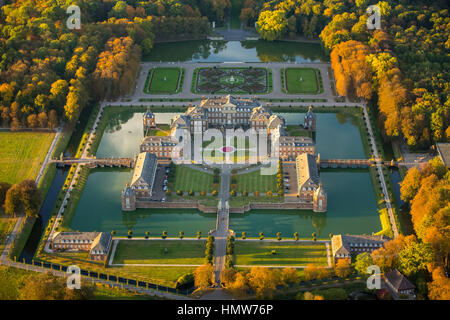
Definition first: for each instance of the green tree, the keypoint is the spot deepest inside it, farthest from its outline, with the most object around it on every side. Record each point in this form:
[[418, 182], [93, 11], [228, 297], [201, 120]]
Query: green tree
[[363, 261], [271, 24], [414, 258]]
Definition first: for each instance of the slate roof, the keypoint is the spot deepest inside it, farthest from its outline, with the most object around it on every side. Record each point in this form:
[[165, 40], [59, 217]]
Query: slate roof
[[145, 169], [398, 280], [101, 243], [310, 114], [307, 172], [444, 152], [75, 237], [343, 244], [149, 114]]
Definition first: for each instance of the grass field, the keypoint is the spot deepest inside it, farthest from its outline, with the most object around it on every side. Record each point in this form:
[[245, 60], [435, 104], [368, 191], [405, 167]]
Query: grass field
[[308, 84], [152, 252], [256, 181], [15, 279], [190, 179], [159, 85], [287, 253], [22, 154], [297, 131]]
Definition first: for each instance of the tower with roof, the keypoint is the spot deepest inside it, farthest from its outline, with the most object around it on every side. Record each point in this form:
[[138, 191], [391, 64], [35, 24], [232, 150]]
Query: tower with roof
[[149, 120], [310, 120]]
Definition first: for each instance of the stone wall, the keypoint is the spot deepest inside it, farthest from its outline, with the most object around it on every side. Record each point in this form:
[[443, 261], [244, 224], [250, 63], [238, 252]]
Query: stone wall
[[205, 209], [275, 206], [175, 205]]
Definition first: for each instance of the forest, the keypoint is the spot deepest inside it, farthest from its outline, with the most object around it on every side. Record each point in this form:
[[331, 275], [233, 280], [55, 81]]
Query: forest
[[49, 73], [401, 68]]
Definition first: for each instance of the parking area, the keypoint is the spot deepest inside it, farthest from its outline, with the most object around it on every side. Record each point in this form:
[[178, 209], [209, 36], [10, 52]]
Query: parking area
[[290, 178], [158, 192]]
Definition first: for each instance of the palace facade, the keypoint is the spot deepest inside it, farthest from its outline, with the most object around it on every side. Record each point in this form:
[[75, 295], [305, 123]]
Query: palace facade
[[229, 112]]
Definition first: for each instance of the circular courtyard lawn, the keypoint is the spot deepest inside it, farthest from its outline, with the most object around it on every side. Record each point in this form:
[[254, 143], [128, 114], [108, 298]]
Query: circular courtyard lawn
[[163, 80], [301, 80]]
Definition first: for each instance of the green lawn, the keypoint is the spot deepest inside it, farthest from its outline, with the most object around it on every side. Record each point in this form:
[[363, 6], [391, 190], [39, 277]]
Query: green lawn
[[256, 181], [152, 252], [22, 154], [160, 130], [287, 253], [297, 131], [190, 179], [160, 85], [308, 84]]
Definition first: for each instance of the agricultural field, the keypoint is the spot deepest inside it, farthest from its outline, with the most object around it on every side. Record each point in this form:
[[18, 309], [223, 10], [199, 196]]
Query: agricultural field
[[231, 80], [163, 80], [160, 252], [279, 253], [22, 154], [301, 80]]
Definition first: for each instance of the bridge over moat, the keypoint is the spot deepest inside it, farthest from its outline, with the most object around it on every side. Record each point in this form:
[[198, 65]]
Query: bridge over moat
[[95, 162], [356, 163]]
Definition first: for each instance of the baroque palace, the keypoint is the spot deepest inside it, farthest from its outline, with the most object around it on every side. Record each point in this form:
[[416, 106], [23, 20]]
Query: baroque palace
[[228, 113]]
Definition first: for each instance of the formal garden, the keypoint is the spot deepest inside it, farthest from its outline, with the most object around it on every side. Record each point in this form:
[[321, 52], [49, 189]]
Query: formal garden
[[164, 81], [301, 80], [232, 80]]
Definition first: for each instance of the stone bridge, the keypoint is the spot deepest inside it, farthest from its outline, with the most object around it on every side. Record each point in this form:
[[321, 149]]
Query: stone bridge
[[95, 162]]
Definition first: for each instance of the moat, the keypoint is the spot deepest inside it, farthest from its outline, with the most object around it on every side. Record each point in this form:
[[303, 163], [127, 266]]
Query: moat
[[352, 206]]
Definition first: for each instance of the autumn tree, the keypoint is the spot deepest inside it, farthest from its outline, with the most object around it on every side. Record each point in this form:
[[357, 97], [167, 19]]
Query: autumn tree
[[204, 276], [311, 272], [342, 268], [439, 287], [227, 277], [4, 187], [289, 276], [263, 281]]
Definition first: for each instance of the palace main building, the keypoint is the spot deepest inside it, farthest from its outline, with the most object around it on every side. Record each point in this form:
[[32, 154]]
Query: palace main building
[[228, 113]]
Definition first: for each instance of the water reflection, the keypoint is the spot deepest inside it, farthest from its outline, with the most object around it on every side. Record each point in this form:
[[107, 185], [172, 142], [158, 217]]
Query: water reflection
[[237, 51]]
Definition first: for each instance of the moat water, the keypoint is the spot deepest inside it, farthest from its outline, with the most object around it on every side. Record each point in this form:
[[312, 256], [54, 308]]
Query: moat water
[[351, 200], [237, 51]]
